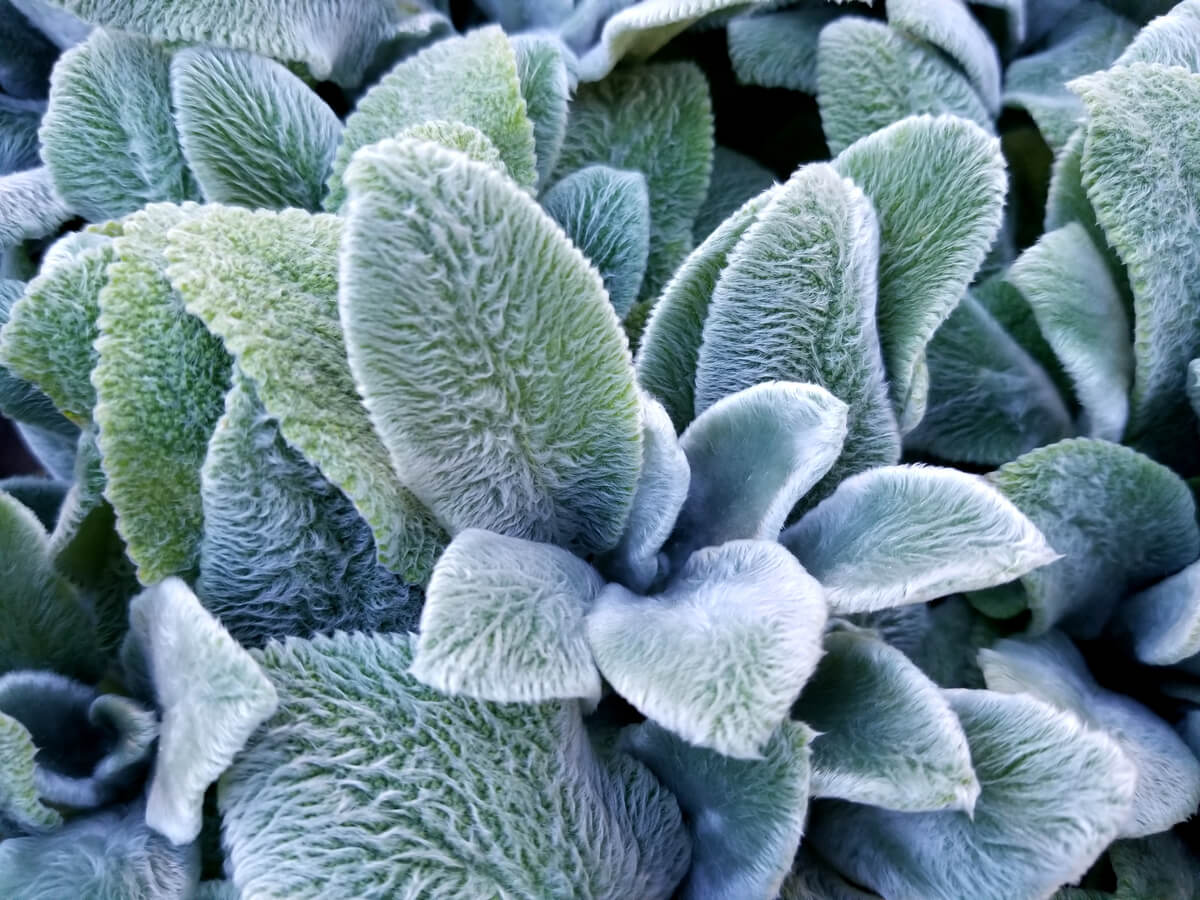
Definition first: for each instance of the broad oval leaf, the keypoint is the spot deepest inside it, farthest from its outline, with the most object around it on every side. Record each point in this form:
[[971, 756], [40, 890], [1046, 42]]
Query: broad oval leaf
[[949, 26], [1163, 622], [1170, 40], [779, 49]]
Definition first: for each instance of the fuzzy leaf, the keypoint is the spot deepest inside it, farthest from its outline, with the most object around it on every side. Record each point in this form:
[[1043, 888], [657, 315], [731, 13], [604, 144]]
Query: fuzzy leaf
[[886, 736], [720, 655], [779, 49], [504, 621], [19, 120], [871, 75], [465, 798], [471, 142], [812, 878], [523, 381], [949, 26], [1119, 520], [1160, 866], [471, 79], [546, 86], [1163, 622], [796, 302], [52, 446], [1167, 789], [1066, 281], [160, 381], [41, 496], [251, 131], [606, 214], [1170, 40], [38, 421], [1013, 313], [212, 695], [656, 120], [62, 28], [30, 207], [746, 817], [21, 810], [267, 284], [735, 179], [666, 362], [908, 534], [26, 56], [752, 456]]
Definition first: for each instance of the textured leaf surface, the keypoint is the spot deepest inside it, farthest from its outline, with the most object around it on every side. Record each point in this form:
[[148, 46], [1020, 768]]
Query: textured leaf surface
[[160, 382], [908, 534], [464, 798], [108, 138], [1053, 796], [1167, 789], [949, 26], [64, 29], [471, 79], [779, 49], [796, 302], [41, 425], [1170, 40], [212, 695], [469, 141], [30, 207], [656, 120], [26, 56], [19, 120], [720, 655], [937, 186], [1119, 520], [606, 214], [1012, 311], [507, 403], [735, 179], [251, 131], [504, 621], [267, 284], [745, 816], [871, 75], [546, 86], [1159, 866], [41, 496], [1163, 622], [886, 736], [20, 808]]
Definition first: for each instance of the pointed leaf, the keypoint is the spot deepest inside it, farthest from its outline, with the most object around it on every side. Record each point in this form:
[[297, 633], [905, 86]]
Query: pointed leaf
[[523, 381], [949, 26], [30, 207], [21, 810], [1170, 40], [465, 799], [546, 87], [745, 816], [735, 179], [779, 49], [1118, 519], [62, 28], [721, 654], [908, 534], [212, 695]]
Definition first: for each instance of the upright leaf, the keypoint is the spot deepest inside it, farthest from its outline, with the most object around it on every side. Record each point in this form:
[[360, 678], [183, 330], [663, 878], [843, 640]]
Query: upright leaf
[[735, 179], [1170, 40], [949, 26], [779, 49], [546, 86], [40, 424]]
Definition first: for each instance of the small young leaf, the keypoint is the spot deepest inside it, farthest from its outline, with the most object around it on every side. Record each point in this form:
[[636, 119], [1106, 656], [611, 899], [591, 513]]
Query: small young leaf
[[546, 86], [908, 534], [471, 79], [1164, 621], [251, 131], [21, 810], [606, 213], [1118, 519], [735, 179], [212, 695], [720, 655], [30, 207], [506, 403], [1170, 40], [779, 49], [949, 26]]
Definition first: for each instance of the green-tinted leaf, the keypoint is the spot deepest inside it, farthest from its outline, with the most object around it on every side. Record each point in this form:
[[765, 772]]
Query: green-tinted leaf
[[465, 798], [988, 401], [745, 816], [1167, 789], [506, 403], [1119, 520], [42, 427], [666, 363], [160, 382], [656, 120], [885, 734], [871, 75], [546, 86], [720, 655], [779, 49], [941, 638], [471, 142], [521, 15], [212, 695], [1170, 40], [41, 496], [471, 79], [53, 447], [1164, 621], [949, 26], [812, 878], [1138, 166], [1054, 794], [908, 534], [1160, 866], [19, 120], [20, 808], [267, 284], [30, 207], [252, 132], [796, 302], [753, 455], [606, 213], [735, 179], [108, 138], [937, 186]]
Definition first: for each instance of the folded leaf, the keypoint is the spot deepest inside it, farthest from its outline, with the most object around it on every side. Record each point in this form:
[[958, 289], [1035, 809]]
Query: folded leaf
[[1170, 40], [21, 810], [908, 534], [735, 179], [160, 381], [941, 638], [720, 655], [1053, 796], [745, 816], [606, 214], [251, 131], [1167, 789], [30, 207], [546, 86], [471, 79], [949, 26], [1163, 622], [267, 284], [871, 75], [886, 736], [1118, 519], [212, 696], [523, 381], [752, 456], [38, 421], [779, 49], [469, 141], [52, 445], [937, 186], [465, 798], [19, 120], [656, 120], [41, 496]]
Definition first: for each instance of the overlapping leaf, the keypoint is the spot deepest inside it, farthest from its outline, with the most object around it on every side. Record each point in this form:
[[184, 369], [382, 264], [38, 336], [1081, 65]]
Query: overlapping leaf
[[949, 26], [779, 49], [735, 179]]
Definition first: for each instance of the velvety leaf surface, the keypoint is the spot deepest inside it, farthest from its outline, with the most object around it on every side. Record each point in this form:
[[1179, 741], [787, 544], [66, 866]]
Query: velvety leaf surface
[[21, 810], [471, 142], [546, 86], [19, 121], [41, 425], [735, 179], [30, 206], [1163, 622], [779, 49], [1170, 40], [41, 496], [26, 56], [949, 26], [1159, 866]]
